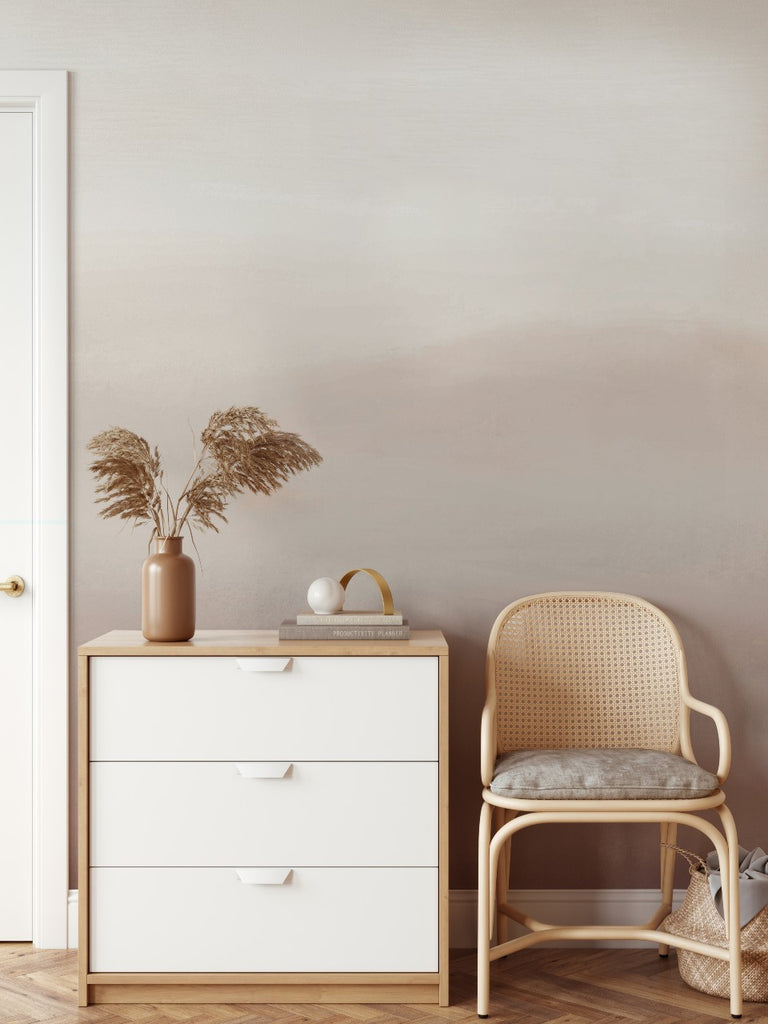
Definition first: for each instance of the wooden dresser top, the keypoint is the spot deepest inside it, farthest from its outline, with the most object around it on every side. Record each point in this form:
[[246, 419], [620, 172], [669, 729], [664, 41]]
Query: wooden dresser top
[[249, 643]]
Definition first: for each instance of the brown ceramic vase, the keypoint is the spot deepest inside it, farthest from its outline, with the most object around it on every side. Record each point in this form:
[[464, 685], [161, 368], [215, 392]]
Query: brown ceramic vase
[[168, 592]]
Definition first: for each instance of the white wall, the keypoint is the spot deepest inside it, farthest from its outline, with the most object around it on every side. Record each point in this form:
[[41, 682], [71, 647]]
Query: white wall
[[503, 263]]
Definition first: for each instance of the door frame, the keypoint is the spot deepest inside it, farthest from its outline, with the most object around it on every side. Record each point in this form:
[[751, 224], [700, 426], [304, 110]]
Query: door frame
[[45, 95]]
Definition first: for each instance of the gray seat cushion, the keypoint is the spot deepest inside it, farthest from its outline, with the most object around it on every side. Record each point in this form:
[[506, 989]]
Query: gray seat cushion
[[600, 775]]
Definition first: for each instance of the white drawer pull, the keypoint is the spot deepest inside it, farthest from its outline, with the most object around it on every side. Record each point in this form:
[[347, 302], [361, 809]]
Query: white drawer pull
[[263, 769], [263, 876], [262, 664]]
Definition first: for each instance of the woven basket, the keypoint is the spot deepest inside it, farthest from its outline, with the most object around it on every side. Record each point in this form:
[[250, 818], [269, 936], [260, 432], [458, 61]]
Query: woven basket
[[698, 919]]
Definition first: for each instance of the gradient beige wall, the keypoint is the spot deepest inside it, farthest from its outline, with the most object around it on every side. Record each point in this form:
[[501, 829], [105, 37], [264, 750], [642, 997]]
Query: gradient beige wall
[[503, 263]]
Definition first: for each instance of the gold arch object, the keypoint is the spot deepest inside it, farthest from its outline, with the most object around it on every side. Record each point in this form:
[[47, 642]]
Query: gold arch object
[[387, 604]]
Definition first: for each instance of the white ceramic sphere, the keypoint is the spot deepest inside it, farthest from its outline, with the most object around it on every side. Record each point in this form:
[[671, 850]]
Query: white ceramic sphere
[[326, 596]]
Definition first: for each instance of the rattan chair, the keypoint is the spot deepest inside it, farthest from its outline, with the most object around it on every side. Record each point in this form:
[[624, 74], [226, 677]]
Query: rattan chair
[[587, 719]]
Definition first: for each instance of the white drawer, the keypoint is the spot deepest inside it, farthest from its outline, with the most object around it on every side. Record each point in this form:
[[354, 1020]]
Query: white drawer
[[223, 709], [216, 813], [319, 919]]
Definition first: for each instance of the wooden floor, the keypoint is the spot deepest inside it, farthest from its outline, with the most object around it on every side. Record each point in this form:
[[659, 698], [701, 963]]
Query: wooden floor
[[554, 986]]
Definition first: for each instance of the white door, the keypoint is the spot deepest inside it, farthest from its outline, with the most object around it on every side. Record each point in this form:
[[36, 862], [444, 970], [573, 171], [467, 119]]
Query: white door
[[16, 344]]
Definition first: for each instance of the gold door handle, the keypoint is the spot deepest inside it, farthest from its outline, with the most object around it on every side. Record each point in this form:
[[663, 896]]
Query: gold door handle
[[13, 586]]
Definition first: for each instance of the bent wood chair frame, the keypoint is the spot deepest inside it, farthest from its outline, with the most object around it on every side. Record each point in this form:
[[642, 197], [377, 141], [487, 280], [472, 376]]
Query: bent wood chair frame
[[502, 817]]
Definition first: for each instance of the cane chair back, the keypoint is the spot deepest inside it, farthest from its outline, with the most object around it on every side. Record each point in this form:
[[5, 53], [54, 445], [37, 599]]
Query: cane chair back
[[589, 671]]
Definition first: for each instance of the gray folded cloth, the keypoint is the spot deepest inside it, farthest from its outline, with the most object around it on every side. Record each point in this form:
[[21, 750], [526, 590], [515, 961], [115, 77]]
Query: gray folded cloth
[[753, 882]]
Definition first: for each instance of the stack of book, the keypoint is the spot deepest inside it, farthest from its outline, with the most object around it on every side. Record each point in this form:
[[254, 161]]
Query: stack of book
[[346, 626]]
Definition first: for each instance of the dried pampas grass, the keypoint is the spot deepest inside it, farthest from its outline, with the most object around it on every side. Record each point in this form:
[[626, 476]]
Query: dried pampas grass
[[242, 450]]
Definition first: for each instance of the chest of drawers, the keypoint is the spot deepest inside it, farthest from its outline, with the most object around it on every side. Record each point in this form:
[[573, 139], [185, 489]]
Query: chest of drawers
[[263, 821]]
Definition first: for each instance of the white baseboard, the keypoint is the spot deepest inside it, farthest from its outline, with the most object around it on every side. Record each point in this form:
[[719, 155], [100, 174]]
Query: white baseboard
[[563, 906]]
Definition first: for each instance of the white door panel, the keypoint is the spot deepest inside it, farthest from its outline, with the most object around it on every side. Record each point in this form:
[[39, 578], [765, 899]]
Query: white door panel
[[16, 324]]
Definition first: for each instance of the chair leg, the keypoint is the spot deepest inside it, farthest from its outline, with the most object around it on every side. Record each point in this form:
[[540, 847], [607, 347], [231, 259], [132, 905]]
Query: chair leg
[[502, 879], [733, 923], [484, 911], [668, 837]]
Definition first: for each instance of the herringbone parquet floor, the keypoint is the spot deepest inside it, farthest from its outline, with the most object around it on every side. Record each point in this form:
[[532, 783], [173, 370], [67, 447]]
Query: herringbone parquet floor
[[544, 986]]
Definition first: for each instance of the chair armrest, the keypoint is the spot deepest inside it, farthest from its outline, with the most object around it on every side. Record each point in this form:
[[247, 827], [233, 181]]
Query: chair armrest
[[723, 735], [488, 739]]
